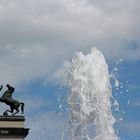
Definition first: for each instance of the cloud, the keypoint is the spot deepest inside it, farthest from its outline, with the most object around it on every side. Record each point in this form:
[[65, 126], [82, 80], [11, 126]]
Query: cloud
[[37, 37], [131, 128], [133, 87], [46, 126], [135, 102]]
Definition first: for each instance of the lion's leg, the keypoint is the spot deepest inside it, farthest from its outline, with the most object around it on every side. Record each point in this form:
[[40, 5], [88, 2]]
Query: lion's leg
[[1, 99], [17, 110], [15, 113], [5, 113]]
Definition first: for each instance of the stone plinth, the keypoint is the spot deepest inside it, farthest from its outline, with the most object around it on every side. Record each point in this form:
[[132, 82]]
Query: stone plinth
[[12, 128]]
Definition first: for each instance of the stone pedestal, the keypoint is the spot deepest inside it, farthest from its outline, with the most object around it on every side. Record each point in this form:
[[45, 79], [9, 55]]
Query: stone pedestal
[[12, 128]]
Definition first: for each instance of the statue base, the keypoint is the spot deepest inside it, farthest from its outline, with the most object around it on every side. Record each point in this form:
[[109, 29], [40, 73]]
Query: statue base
[[12, 128]]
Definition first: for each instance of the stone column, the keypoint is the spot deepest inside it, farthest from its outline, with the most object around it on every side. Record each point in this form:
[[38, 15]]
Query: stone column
[[12, 128]]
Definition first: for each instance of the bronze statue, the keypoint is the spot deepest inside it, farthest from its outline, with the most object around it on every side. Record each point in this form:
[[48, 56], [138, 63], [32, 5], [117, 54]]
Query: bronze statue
[[7, 99]]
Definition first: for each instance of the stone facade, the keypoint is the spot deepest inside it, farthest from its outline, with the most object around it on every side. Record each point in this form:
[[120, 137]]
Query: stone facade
[[12, 128]]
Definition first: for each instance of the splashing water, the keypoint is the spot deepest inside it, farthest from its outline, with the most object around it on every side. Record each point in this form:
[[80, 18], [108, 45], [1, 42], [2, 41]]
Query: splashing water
[[90, 98]]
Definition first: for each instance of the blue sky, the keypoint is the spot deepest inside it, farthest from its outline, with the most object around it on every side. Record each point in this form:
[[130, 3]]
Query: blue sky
[[50, 93], [39, 38], [129, 101], [128, 98]]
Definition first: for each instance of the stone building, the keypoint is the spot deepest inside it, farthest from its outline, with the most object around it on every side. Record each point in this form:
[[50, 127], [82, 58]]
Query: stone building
[[12, 128]]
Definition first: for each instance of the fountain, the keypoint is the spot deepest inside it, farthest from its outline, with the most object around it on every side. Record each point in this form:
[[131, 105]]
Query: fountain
[[90, 98]]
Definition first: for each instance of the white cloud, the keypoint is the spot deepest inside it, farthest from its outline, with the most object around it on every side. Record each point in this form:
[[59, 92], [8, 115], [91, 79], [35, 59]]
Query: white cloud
[[132, 128], [47, 126], [38, 36], [135, 102]]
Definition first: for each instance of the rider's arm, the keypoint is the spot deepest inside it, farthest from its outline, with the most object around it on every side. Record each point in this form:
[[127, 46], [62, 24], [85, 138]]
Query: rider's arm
[[1, 87], [10, 88]]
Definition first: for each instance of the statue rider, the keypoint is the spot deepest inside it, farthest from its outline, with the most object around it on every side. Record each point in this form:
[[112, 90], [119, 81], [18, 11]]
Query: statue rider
[[7, 99], [7, 96]]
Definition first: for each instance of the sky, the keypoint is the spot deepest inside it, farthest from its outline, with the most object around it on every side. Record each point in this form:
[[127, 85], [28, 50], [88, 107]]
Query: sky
[[39, 38]]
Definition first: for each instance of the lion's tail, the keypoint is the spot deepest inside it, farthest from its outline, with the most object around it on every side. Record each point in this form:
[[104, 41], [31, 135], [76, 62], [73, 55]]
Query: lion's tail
[[22, 107]]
